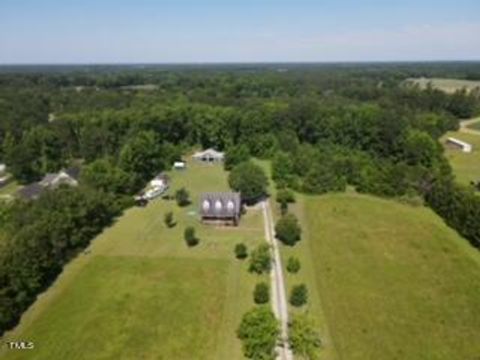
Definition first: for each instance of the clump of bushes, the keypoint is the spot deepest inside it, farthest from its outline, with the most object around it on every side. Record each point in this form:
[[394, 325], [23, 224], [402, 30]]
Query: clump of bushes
[[303, 337], [190, 236], [260, 259], [261, 293], [299, 295], [293, 265], [287, 230], [182, 197], [259, 331], [168, 219], [241, 251], [284, 198]]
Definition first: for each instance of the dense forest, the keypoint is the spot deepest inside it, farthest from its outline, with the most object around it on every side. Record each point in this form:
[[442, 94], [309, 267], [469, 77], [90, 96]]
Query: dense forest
[[324, 128]]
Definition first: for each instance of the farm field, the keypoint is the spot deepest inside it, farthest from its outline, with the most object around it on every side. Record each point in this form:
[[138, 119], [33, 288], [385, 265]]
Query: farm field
[[447, 85], [138, 292], [466, 166], [393, 280]]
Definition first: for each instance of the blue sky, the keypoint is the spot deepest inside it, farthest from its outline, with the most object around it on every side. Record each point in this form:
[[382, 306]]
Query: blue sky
[[166, 31]]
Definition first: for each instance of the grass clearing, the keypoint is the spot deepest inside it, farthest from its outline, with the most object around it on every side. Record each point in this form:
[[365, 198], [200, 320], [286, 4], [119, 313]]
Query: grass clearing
[[141, 293], [466, 166], [10, 189], [395, 282], [446, 85]]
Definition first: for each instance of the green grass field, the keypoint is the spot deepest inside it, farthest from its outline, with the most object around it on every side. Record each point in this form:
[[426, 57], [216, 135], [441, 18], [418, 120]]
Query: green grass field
[[474, 126], [466, 166], [9, 189], [447, 85], [140, 293], [388, 281]]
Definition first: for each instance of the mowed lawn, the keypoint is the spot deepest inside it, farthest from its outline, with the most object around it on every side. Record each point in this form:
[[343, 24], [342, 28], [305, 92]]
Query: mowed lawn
[[141, 293], [394, 281], [466, 166]]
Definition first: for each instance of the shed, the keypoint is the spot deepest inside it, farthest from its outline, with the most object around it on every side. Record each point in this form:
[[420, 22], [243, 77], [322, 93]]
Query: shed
[[209, 156], [220, 207]]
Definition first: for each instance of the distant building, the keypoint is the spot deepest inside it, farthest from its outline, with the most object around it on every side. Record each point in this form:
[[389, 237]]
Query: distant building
[[50, 181], [209, 156], [220, 208], [459, 144], [54, 180]]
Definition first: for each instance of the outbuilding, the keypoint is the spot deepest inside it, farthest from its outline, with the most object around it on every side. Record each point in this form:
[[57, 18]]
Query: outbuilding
[[209, 156], [459, 144], [223, 208]]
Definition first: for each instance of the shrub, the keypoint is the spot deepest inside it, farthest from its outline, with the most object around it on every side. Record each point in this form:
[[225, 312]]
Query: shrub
[[241, 251], [182, 197], [190, 237], [303, 337], [293, 265], [261, 293], [299, 295], [285, 197], [168, 219], [287, 230], [259, 331], [260, 259]]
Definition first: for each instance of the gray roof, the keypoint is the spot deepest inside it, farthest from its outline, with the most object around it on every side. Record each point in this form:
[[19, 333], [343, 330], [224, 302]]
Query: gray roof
[[49, 178], [31, 191], [209, 153], [73, 172], [220, 204]]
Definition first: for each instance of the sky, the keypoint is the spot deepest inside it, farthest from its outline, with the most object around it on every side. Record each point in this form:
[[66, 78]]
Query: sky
[[214, 31]]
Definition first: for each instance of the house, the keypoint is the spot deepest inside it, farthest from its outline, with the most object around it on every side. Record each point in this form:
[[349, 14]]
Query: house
[[209, 156], [220, 208], [69, 177], [459, 144], [50, 181], [31, 192], [179, 165]]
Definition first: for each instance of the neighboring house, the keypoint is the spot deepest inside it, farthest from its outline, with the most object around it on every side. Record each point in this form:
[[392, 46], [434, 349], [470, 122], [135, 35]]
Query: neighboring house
[[209, 156], [459, 144], [50, 181], [179, 165], [54, 180], [31, 192], [220, 208]]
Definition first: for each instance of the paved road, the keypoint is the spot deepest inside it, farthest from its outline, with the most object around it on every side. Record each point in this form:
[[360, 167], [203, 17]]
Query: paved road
[[464, 126], [279, 297]]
